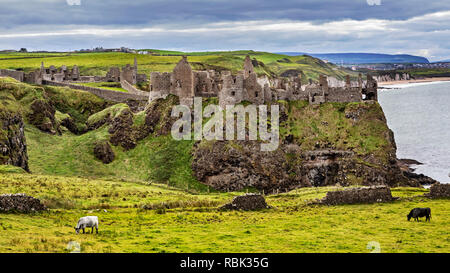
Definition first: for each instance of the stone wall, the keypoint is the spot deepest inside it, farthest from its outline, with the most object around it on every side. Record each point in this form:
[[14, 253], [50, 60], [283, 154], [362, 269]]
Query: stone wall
[[129, 74], [366, 195], [203, 84], [20, 203], [340, 94], [247, 202], [439, 190], [18, 75], [103, 93], [34, 77], [132, 90], [247, 86], [248, 67], [232, 89], [113, 75], [253, 92], [183, 79]]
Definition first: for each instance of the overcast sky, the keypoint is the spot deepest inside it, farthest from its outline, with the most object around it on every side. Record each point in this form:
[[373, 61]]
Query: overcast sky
[[316, 26]]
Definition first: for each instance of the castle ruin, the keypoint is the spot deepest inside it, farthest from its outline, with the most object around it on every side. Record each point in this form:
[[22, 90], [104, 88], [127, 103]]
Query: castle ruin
[[64, 74], [228, 88], [247, 86]]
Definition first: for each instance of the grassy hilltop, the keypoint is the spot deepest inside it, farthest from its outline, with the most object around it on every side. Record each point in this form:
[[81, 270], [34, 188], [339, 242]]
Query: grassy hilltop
[[99, 63]]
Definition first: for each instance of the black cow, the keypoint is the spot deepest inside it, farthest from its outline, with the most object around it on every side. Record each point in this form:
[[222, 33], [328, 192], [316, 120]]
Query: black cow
[[418, 213]]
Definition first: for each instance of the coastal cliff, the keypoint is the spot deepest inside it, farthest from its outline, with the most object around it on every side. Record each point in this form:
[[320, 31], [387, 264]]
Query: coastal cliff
[[81, 135], [331, 144]]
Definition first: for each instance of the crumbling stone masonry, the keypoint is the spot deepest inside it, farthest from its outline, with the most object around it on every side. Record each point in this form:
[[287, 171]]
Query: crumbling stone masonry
[[116, 96], [20, 203], [18, 75], [247, 86], [230, 89], [366, 195], [247, 202], [439, 190], [64, 74]]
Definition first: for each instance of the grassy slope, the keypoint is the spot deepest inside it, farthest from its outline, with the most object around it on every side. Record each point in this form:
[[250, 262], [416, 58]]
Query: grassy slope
[[192, 224], [99, 63], [18, 97], [72, 155], [327, 124]]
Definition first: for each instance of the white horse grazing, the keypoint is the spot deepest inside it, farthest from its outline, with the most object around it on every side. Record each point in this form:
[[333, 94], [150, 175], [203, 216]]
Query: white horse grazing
[[87, 222]]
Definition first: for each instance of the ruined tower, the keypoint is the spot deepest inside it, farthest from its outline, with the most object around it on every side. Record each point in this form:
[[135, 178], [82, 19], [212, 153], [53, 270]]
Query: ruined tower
[[370, 92], [182, 81], [232, 89], [248, 67], [347, 81], [129, 74]]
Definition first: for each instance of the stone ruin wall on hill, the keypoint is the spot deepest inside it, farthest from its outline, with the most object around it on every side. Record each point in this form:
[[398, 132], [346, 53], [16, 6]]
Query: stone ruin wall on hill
[[64, 74], [364, 195], [66, 77], [439, 190], [247, 86], [112, 95], [187, 84]]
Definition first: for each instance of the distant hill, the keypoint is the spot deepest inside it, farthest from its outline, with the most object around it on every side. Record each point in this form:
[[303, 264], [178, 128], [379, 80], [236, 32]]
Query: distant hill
[[363, 58]]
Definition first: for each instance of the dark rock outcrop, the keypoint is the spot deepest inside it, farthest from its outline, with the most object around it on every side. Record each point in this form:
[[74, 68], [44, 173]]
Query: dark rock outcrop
[[230, 166], [121, 130], [419, 178], [136, 105], [247, 202], [104, 152], [71, 126], [354, 147], [20, 203], [43, 117], [125, 133], [291, 73], [408, 172], [358, 196], [13, 146]]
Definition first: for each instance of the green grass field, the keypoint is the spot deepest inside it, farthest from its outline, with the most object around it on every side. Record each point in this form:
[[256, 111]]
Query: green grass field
[[99, 63], [176, 221]]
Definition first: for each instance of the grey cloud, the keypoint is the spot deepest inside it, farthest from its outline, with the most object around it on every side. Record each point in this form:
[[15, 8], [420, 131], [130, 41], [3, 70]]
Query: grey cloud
[[308, 26], [118, 12]]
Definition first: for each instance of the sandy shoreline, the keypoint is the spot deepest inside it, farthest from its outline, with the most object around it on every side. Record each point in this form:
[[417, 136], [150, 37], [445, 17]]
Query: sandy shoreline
[[435, 79]]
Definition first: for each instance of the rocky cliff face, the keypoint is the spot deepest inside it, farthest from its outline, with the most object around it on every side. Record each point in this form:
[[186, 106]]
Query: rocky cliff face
[[13, 146], [239, 165], [392, 76], [345, 144]]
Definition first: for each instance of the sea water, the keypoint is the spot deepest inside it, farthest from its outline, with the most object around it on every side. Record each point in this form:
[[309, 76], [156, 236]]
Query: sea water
[[419, 115]]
